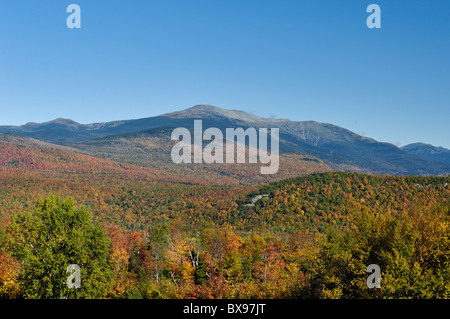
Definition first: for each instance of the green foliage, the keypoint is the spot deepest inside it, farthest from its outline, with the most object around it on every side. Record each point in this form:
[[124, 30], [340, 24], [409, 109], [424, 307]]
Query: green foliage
[[201, 272], [412, 250], [159, 236], [3, 240], [320, 201], [51, 239]]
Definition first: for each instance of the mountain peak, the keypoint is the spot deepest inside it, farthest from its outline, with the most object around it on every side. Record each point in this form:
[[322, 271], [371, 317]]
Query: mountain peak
[[61, 120], [204, 107], [207, 110], [421, 145]]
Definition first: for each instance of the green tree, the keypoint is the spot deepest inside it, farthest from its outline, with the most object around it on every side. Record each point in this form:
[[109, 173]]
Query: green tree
[[54, 237], [201, 271], [412, 250], [158, 240]]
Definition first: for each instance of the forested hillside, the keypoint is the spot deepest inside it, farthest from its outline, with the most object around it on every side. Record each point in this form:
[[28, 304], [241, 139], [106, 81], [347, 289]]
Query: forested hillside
[[140, 156], [152, 149], [311, 236], [320, 200]]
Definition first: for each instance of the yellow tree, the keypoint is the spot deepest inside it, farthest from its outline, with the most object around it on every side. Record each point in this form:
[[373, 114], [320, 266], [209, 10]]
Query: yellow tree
[[9, 271]]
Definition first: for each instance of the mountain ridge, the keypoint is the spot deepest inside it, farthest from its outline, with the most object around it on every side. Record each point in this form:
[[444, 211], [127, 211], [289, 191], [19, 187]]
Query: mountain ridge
[[338, 147], [428, 151]]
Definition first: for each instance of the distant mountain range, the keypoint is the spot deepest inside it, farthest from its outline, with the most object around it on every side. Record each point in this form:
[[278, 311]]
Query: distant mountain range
[[429, 152], [147, 141]]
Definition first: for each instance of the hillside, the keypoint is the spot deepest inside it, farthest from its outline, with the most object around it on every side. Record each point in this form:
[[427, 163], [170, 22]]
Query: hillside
[[124, 194], [318, 201], [22, 155], [152, 149], [140, 190]]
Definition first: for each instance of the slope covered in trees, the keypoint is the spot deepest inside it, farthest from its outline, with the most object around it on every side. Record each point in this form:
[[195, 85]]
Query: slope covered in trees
[[152, 149], [134, 157], [319, 200], [215, 243]]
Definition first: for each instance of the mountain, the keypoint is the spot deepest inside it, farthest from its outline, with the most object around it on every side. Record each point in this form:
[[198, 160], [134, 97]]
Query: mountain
[[429, 152], [68, 131], [337, 147]]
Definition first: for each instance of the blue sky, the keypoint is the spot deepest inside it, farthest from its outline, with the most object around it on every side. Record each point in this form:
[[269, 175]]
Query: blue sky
[[302, 60]]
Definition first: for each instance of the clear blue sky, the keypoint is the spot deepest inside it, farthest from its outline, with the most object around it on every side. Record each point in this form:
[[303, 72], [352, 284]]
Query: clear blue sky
[[302, 60]]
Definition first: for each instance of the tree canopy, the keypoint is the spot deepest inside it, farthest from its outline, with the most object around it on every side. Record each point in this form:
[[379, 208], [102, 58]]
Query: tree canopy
[[55, 236]]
